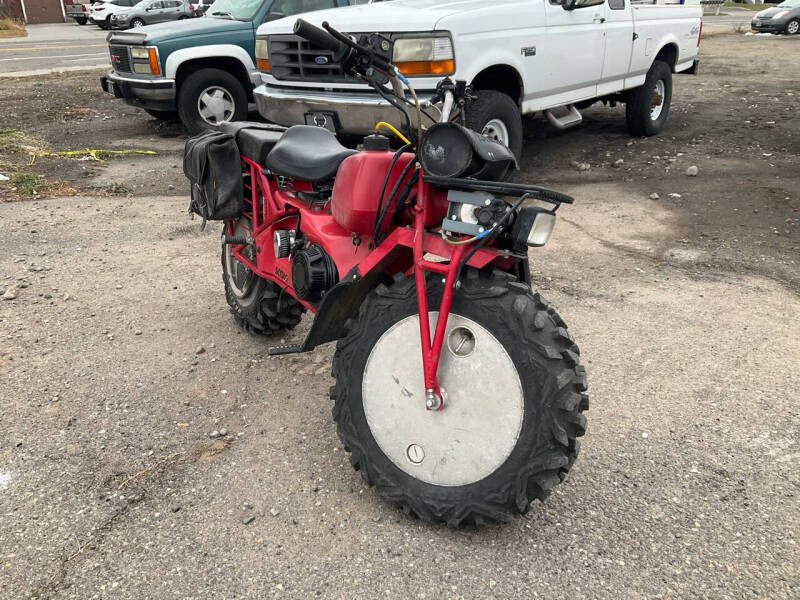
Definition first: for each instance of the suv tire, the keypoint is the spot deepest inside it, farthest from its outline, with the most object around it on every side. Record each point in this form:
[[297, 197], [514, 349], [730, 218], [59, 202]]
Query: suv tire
[[214, 85]]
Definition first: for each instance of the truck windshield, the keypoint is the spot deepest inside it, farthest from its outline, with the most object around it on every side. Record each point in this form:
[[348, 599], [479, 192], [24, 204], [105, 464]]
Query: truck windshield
[[241, 10]]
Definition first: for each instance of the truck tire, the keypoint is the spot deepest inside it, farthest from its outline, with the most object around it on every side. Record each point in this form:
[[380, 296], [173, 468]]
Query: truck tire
[[257, 305], [208, 97], [81, 20], [647, 106], [507, 432], [495, 114]]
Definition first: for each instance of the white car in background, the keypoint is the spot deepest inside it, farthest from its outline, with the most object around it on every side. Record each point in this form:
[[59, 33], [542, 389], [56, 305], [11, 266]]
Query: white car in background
[[100, 12]]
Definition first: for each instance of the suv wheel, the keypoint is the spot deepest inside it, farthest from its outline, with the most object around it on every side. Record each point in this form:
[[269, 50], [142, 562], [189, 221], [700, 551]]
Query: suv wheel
[[209, 97]]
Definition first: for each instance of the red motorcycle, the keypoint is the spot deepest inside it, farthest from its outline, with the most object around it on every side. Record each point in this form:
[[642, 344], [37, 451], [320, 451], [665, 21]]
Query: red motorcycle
[[459, 392]]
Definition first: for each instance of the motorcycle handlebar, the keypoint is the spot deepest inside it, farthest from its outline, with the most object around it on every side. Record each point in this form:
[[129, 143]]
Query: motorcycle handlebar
[[318, 36]]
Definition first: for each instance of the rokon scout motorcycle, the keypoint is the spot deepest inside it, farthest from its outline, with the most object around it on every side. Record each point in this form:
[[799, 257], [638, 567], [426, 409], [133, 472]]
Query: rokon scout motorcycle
[[458, 391]]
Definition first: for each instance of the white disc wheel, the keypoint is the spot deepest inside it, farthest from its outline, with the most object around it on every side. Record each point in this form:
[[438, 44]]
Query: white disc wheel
[[216, 105], [657, 102], [497, 130], [475, 432]]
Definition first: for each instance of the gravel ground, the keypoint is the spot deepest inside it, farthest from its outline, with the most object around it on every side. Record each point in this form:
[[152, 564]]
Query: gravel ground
[[119, 358]]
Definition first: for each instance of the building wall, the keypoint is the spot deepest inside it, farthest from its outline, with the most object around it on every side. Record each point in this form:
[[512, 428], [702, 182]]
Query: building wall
[[11, 8], [41, 11]]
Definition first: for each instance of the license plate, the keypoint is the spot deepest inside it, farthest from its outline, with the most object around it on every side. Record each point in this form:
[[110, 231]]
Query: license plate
[[322, 119]]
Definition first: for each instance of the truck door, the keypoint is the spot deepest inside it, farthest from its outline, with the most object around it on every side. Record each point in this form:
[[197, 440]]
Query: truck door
[[619, 45], [572, 52]]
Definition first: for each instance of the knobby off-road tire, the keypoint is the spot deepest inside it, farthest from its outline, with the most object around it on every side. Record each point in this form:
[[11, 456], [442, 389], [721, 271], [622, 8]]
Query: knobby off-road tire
[[551, 382], [641, 114], [257, 304], [497, 115]]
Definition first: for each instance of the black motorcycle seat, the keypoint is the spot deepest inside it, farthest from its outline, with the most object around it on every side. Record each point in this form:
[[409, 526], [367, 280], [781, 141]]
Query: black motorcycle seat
[[255, 140], [307, 152]]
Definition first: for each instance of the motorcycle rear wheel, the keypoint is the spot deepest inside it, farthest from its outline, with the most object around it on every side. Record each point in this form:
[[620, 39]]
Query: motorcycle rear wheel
[[257, 304], [513, 412]]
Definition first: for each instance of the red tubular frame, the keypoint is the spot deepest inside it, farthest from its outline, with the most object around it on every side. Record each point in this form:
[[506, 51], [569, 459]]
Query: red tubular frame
[[271, 205]]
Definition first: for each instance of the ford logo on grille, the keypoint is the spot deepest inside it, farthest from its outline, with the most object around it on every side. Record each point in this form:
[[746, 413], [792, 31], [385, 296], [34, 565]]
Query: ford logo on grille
[[321, 60]]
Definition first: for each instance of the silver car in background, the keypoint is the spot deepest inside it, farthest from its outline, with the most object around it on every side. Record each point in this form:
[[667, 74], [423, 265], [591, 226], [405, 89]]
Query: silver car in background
[[148, 12]]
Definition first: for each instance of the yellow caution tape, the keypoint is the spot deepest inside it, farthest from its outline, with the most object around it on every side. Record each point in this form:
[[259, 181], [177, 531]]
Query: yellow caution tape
[[93, 152]]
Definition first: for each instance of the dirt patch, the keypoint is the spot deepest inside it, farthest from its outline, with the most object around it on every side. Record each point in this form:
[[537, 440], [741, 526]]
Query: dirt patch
[[11, 28]]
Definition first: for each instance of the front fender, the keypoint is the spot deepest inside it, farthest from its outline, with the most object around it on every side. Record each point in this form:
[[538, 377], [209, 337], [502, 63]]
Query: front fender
[[177, 58]]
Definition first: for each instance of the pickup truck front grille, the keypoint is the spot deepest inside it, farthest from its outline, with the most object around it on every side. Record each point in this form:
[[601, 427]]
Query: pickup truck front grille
[[120, 59], [295, 59]]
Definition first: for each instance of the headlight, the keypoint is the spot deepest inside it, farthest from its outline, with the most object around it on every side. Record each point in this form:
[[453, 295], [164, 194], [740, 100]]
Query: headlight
[[262, 55], [424, 56], [533, 226], [145, 61], [778, 15], [120, 16]]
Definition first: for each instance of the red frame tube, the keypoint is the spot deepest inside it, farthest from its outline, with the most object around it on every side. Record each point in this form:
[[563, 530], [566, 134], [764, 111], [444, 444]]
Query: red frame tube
[[270, 205]]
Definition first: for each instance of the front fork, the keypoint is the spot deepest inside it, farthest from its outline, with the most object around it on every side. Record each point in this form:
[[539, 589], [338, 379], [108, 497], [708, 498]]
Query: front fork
[[434, 395]]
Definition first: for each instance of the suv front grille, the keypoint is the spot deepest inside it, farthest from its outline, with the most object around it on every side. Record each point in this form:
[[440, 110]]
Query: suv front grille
[[293, 58], [120, 59]]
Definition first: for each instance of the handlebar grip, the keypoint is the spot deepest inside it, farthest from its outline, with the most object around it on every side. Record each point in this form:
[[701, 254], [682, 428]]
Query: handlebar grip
[[317, 36]]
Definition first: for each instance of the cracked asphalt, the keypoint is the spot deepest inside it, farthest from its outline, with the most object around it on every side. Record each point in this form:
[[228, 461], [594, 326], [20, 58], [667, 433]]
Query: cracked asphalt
[[118, 358]]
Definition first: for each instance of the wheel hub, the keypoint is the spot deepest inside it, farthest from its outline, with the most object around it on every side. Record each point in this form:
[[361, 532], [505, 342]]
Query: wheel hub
[[240, 277], [657, 101], [215, 105], [480, 423], [496, 130]]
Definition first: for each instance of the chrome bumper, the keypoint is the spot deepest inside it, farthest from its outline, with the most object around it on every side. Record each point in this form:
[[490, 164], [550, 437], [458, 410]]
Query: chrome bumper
[[357, 112]]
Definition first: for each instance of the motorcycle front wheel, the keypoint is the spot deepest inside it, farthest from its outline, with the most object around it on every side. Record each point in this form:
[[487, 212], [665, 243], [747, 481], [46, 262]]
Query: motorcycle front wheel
[[514, 397]]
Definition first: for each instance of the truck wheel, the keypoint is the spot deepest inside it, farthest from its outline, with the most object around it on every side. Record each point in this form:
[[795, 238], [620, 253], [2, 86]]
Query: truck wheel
[[514, 397], [793, 27], [81, 21], [647, 106], [496, 115], [258, 305], [209, 97], [164, 115]]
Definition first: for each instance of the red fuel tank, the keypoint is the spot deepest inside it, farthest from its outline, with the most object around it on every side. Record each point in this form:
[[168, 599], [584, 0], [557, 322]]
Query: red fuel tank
[[357, 188]]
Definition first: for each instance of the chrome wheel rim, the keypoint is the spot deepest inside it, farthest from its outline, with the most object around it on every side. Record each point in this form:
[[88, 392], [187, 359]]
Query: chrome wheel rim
[[480, 424], [215, 105], [496, 130], [657, 101], [793, 27]]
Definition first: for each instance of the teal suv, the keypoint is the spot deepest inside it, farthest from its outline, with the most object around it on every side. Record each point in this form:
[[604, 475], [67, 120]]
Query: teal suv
[[202, 70]]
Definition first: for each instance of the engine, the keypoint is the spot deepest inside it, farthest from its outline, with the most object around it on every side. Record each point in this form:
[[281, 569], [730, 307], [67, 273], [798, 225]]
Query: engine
[[313, 273]]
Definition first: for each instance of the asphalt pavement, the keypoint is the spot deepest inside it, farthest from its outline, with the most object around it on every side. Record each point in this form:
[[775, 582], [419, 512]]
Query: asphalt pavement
[[54, 47]]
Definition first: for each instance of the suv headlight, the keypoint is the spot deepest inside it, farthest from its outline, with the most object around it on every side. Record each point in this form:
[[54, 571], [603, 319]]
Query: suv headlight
[[262, 55], [145, 60], [431, 55]]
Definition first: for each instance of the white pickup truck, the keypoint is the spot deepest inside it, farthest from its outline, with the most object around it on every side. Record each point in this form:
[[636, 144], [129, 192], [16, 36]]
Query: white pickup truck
[[520, 56]]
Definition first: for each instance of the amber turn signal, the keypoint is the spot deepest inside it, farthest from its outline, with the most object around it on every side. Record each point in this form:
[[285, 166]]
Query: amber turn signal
[[427, 67]]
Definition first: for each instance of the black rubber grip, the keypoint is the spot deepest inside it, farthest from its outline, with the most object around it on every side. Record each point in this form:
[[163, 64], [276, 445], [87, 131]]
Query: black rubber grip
[[317, 36]]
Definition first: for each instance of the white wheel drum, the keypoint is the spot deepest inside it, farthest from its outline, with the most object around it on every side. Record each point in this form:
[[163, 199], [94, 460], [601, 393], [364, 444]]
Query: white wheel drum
[[480, 424]]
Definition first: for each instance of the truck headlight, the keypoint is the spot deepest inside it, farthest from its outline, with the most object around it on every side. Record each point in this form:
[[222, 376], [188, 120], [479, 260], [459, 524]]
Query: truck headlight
[[262, 55], [533, 226], [145, 60], [424, 55]]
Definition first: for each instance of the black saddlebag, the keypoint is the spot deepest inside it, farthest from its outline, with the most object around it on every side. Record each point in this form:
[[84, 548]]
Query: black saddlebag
[[211, 162]]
